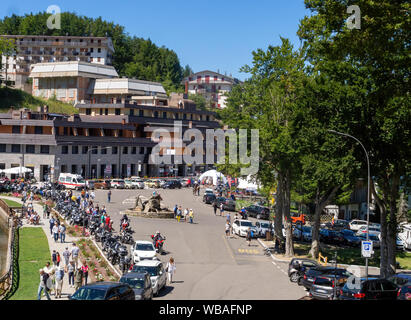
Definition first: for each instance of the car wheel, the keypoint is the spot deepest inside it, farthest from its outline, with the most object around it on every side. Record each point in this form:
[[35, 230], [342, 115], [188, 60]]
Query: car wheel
[[294, 277]]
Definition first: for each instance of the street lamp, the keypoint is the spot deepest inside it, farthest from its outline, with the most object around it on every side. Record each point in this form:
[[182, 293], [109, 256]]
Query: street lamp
[[368, 189]]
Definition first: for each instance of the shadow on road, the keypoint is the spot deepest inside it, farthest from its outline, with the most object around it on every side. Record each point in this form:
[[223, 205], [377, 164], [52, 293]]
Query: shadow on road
[[166, 290]]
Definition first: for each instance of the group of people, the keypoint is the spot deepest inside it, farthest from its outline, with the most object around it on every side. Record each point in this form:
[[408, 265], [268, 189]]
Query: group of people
[[52, 276], [187, 215]]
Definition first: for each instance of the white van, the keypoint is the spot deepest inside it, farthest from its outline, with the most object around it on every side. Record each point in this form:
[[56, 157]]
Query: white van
[[72, 181], [355, 225], [405, 235]]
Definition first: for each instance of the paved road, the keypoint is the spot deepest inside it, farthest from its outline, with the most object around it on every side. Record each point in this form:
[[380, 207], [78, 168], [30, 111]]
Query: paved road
[[209, 266]]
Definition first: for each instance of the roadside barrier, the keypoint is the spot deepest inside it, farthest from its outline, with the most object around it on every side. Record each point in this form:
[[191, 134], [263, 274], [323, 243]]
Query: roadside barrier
[[322, 259]]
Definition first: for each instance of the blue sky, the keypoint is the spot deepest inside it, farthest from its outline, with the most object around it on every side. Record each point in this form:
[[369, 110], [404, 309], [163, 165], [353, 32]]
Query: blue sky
[[207, 34]]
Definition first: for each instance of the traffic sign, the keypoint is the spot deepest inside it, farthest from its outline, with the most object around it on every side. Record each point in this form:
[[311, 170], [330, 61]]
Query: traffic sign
[[366, 249]]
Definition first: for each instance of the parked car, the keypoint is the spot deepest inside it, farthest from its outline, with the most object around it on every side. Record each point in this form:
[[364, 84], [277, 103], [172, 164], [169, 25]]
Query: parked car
[[355, 225], [240, 227], [326, 287], [371, 289], [209, 198], [372, 237], [398, 242], [297, 218], [262, 227], [140, 283], [350, 239], [312, 273], [128, 184], [152, 183], [306, 232], [162, 182], [185, 183], [144, 250], [104, 290], [102, 184], [371, 229], [90, 184], [118, 184], [340, 224], [306, 263], [172, 184], [156, 271], [228, 204], [137, 183], [400, 279], [258, 212], [331, 237]]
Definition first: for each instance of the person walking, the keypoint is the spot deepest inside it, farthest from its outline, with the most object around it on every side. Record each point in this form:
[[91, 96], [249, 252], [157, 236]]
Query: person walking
[[45, 209], [62, 233], [175, 211], [221, 210], [55, 232], [70, 270], [171, 269], [107, 222], [84, 269], [74, 254], [66, 256], [54, 258], [249, 236], [179, 213], [191, 215], [185, 214], [52, 222], [215, 206], [227, 228], [58, 259], [44, 277], [78, 278], [59, 282], [109, 196]]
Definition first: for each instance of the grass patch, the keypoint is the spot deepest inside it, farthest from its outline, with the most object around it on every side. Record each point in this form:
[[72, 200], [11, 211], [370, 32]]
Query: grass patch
[[16, 99], [34, 253], [404, 259], [11, 203]]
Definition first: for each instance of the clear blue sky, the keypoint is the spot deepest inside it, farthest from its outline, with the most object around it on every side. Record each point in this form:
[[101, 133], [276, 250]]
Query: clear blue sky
[[207, 34]]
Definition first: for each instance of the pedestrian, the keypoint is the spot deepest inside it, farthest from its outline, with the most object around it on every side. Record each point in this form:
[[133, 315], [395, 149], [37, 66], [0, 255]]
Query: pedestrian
[[191, 215], [107, 222], [92, 195], [74, 254], [170, 269], [43, 285], [227, 228], [198, 190], [52, 222], [249, 236], [228, 217], [66, 256], [215, 206], [45, 208], [179, 213], [221, 209], [59, 282], [55, 232], [78, 278], [62, 233], [84, 269], [54, 258], [185, 214], [70, 270], [108, 196], [175, 211], [58, 259]]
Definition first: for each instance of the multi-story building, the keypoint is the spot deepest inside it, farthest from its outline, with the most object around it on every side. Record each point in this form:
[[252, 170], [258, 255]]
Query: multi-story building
[[211, 85], [39, 49]]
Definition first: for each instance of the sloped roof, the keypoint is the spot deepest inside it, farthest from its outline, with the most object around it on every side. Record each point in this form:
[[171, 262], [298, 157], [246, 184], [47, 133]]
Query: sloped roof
[[126, 86]]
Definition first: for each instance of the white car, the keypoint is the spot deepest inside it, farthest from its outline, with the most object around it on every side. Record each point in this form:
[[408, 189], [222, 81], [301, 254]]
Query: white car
[[372, 229], [144, 250], [156, 271], [137, 183], [262, 227], [240, 227], [355, 225]]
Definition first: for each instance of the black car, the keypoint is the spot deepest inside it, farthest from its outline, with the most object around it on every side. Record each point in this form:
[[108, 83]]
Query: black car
[[228, 204], [350, 239], [172, 184], [258, 212], [104, 290], [313, 273], [341, 224], [326, 287], [141, 284], [371, 289], [306, 263], [331, 236], [403, 282], [209, 198]]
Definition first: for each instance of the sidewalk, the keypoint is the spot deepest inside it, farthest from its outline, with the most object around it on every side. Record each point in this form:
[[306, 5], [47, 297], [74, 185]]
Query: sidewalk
[[58, 246]]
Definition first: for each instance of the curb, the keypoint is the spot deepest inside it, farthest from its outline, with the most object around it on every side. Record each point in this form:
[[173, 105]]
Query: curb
[[272, 257], [103, 255]]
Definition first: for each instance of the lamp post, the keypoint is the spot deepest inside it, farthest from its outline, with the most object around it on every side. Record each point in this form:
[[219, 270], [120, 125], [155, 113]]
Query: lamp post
[[368, 189]]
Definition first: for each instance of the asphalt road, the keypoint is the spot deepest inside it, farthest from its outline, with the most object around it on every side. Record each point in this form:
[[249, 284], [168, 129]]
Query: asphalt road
[[209, 266]]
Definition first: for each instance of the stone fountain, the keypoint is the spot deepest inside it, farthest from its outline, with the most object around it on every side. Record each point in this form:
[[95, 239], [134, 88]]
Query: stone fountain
[[150, 208]]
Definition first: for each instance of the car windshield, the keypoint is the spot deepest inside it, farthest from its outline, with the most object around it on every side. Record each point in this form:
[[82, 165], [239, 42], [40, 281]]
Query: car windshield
[[89, 294], [265, 225], [144, 247], [80, 180], [246, 224], [135, 283], [373, 237], [152, 271]]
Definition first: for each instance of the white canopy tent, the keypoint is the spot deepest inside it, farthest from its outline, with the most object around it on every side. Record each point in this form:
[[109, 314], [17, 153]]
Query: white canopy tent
[[16, 170], [214, 175], [247, 184]]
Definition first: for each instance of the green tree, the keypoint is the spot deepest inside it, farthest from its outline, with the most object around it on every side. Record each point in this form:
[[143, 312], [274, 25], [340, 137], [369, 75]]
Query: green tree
[[7, 49], [373, 62]]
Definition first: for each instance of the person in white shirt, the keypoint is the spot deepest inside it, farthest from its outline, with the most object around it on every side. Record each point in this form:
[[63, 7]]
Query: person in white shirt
[[171, 269]]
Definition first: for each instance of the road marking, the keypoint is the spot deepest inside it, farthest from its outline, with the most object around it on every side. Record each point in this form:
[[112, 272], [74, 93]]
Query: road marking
[[228, 248]]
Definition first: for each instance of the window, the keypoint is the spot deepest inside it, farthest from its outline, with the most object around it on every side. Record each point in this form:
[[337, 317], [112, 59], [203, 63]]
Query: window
[[141, 113], [84, 149], [155, 114], [74, 149], [15, 148], [103, 150], [16, 129], [45, 149], [176, 115], [133, 150], [114, 150], [208, 118], [125, 150], [64, 149], [117, 112], [99, 50], [88, 111], [184, 116], [101, 112], [94, 150], [2, 148], [38, 130], [91, 49], [106, 112], [30, 148], [131, 112], [141, 150], [165, 115]]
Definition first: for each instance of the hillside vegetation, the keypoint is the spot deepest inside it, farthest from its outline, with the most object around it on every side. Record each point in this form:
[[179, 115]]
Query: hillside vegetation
[[17, 99]]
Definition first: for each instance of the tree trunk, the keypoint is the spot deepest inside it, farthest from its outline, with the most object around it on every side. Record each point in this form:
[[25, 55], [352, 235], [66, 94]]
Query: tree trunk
[[278, 218], [289, 244]]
